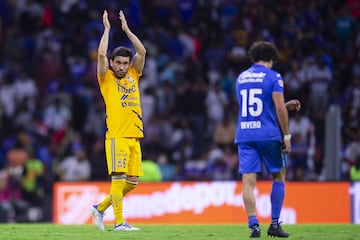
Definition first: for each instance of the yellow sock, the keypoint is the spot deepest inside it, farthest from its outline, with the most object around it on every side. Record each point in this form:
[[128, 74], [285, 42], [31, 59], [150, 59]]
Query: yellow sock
[[116, 194], [104, 204], [129, 186]]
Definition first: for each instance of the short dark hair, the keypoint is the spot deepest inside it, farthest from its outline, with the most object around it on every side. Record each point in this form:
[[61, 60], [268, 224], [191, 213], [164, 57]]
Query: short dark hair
[[263, 51], [121, 51]]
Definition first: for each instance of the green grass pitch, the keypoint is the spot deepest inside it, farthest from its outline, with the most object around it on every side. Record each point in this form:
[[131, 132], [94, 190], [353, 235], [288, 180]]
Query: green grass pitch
[[172, 232]]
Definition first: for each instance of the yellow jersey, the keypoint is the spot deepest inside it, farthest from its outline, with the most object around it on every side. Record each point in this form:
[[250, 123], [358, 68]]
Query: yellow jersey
[[122, 103]]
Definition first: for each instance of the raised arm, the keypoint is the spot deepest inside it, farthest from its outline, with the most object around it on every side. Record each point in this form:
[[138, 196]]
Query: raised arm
[[139, 57], [102, 61]]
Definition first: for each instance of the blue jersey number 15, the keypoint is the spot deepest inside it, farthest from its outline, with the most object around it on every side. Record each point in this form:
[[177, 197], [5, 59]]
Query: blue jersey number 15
[[251, 103]]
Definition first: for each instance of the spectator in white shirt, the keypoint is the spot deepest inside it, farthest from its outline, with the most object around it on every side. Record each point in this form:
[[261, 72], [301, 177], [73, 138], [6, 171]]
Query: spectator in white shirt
[[75, 167], [320, 78]]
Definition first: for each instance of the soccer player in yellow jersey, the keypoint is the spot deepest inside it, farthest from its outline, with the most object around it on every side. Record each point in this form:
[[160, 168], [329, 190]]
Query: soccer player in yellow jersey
[[119, 85]]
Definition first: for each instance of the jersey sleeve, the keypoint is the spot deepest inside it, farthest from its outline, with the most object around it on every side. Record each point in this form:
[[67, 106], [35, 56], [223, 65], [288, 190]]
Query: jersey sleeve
[[104, 81], [278, 83]]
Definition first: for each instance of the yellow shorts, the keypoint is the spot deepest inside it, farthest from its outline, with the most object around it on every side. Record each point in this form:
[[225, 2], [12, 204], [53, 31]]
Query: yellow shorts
[[123, 155]]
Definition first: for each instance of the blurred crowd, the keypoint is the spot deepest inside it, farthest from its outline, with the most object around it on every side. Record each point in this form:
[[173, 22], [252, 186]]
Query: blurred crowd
[[52, 114]]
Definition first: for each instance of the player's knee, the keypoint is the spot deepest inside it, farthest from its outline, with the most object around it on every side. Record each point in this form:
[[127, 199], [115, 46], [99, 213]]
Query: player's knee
[[134, 179], [131, 183]]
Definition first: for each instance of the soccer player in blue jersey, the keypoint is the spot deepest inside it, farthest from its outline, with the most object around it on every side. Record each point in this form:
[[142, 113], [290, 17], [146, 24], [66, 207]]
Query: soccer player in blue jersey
[[262, 133]]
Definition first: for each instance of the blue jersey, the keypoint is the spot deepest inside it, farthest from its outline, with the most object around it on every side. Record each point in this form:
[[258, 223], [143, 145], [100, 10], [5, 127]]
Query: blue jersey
[[257, 120]]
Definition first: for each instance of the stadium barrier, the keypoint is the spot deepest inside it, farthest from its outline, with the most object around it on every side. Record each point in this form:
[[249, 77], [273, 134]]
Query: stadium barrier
[[217, 202]]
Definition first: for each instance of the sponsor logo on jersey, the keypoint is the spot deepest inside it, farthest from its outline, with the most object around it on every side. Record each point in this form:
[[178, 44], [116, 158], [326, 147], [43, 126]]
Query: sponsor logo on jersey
[[129, 104]]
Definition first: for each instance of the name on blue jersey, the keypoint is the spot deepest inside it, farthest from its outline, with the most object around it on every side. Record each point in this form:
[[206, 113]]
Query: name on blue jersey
[[247, 77], [250, 124]]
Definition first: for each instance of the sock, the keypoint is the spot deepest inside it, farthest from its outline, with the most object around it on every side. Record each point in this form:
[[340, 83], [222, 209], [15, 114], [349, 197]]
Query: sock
[[252, 220], [129, 186], [101, 207], [277, 199], [116, 195]]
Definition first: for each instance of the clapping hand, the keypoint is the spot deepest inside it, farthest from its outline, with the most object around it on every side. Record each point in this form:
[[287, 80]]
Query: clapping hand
[[106, 20], [122, 18]]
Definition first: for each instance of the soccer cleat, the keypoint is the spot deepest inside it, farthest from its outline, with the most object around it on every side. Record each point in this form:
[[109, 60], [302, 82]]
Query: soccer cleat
[[277, 232], [255, 231], [98, 217], [125, 227]]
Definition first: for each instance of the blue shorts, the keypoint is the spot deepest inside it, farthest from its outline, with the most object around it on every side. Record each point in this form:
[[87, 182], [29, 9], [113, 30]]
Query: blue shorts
[[253, 154]]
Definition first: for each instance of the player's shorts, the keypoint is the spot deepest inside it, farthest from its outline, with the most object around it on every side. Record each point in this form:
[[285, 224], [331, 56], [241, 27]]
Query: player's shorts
[[123, 155], [253, 154]]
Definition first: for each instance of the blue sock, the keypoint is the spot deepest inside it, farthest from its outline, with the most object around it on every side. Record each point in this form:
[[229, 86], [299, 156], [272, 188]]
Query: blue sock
[[252, 220], [277, 199]]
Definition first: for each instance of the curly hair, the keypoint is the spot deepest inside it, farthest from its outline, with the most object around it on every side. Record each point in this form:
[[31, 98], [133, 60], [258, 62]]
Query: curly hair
[[263, 51]]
